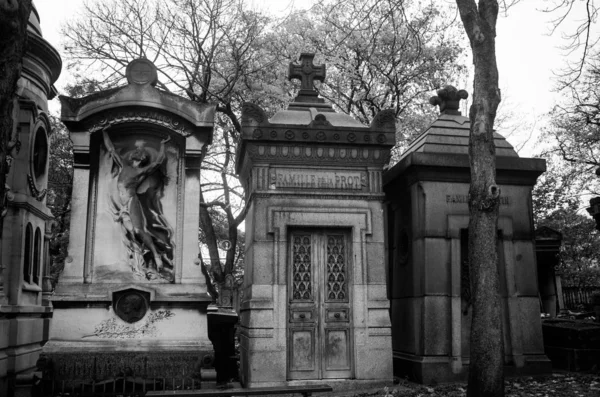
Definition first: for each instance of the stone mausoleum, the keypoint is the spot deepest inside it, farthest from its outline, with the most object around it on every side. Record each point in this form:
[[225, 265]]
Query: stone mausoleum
[[132, 300], [315, 306], [25, 308], [427, 234]]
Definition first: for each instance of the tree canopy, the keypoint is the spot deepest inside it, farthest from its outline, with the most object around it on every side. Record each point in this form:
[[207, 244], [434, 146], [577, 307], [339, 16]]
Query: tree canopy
[[379, 54]]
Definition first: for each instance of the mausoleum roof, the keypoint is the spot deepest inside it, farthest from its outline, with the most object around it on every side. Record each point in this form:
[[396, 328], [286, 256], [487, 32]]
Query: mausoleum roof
[[449, 133], [305, 115], [140, 93]]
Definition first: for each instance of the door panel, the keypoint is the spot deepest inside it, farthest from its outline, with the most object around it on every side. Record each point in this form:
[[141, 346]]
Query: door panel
[[337, 348], [319, 297], [302, 350]]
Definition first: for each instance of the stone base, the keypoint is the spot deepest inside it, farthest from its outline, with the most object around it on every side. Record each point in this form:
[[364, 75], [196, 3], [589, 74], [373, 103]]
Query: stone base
[[162, 365], [432, 370], [573, 359]]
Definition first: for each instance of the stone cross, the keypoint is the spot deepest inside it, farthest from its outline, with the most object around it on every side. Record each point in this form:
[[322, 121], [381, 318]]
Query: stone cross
[[307, 72]]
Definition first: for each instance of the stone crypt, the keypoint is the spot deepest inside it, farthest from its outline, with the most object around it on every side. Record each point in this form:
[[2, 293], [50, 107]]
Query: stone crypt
[[427, 233], [315, 305], [131, 296]]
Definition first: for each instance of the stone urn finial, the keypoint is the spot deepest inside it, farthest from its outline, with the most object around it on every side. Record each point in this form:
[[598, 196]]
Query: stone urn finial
[[448, 99]]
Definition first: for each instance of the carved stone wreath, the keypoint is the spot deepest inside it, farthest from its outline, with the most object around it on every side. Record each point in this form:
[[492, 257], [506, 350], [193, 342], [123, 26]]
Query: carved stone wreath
[[289, 134], [257, 134], [321, 136], [351, 137]]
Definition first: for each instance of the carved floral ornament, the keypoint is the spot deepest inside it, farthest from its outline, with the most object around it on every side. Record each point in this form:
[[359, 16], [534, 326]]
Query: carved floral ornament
[[175, 124], [321, 136], [296, 152]]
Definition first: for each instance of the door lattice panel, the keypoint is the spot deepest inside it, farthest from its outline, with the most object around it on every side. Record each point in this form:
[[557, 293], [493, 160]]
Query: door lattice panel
[[336, 268], [302, 287]]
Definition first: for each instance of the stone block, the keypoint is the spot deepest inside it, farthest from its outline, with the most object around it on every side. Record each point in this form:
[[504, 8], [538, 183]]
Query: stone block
[[260, 319], [379, 317], [436, 325], [27, 330], [4, 332], [373, 363], [376, 263], [73, 271], [262, 262], [525, 268], [530, 325], [3, 364], [442, 199], [265, 366], [436, 267], [406, 324], [25, 357], [377, 295]]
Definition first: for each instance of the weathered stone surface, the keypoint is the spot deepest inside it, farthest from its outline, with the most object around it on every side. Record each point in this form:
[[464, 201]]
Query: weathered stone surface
[[313, 184], [428, 216], [133, 294], [23, 330]]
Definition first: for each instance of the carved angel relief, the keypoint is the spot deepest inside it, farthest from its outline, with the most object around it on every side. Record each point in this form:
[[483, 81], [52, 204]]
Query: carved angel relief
[[135, 204]]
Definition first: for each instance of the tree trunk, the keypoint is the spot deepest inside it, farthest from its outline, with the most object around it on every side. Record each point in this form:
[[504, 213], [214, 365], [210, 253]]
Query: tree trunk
[[14, 15], [486, 370]]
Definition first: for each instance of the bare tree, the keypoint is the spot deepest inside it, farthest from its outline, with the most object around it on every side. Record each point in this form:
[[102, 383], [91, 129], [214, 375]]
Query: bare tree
[[207, 49], [581, 42], [486, 369]]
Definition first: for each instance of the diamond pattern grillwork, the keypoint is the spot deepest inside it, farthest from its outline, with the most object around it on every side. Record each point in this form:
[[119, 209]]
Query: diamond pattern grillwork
[[336, 268], [302, 287]]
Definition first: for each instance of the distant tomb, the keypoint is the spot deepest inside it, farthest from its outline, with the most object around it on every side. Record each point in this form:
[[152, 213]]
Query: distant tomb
[[131, 294]]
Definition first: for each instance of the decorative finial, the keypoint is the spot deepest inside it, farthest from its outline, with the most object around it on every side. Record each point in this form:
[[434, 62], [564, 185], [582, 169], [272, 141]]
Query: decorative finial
[[448, 98], [307, 73]]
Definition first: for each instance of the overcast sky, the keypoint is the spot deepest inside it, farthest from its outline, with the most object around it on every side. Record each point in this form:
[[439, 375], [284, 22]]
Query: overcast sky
[[526, 57]]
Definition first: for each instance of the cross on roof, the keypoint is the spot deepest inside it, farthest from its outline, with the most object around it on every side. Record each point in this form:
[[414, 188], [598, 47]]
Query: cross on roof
[[307, 72]]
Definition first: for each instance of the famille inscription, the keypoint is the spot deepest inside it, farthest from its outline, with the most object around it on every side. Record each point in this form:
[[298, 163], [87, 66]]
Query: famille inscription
[[316, 179], [464, 199]]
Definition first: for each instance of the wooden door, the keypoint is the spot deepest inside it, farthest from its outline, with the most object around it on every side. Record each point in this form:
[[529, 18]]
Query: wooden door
[[319, 316]]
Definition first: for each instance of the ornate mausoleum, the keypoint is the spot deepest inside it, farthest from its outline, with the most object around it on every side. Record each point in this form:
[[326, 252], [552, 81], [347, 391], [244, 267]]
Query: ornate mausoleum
[[24, 288]]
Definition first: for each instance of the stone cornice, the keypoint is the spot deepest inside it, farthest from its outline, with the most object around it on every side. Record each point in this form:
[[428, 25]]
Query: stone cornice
[[293, 153], [136, 102], [46, 54]]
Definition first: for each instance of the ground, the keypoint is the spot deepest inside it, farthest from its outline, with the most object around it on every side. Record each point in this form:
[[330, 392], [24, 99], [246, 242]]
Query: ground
[[555, 385]]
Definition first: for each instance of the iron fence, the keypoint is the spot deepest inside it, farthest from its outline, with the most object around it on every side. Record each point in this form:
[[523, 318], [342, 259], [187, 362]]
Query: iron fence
[[576, 297]]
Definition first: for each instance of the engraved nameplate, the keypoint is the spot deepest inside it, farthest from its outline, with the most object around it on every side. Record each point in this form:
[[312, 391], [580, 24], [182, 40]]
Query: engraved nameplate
[[464, 199], [318, 179]]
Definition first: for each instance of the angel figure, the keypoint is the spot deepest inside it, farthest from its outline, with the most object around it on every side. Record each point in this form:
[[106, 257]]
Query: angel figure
[[136, 205]]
